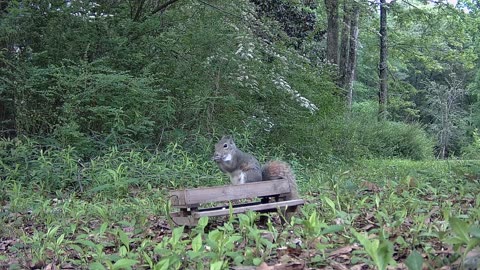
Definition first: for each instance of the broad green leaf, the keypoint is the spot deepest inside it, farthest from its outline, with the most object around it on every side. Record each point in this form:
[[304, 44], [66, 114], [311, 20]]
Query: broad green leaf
[[52, 231], [475, 231], [414, 261], [232, 239], [124, 238], [176, 235], [474, 242], [77, 248], [385, 254], [215, 235], [60, 239], [194, 254], [312, 219], [216, 265], [96, 266], [460, 229], [330, 203], [202, 223], [103, 228], [87, 243], [124, 264], [369, 245], [332, 229], [163, 264], [197, 243], [122, 251], [257, 261], [147, 258]]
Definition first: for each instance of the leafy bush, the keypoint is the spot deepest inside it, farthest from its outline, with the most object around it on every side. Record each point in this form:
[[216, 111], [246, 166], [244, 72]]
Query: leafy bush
[[395, 139], [118, 80], [363, 136], [116, 172]]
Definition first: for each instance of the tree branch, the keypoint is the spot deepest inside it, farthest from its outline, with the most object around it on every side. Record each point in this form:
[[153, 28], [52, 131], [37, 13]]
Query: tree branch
[[163, 6], [219, 9]]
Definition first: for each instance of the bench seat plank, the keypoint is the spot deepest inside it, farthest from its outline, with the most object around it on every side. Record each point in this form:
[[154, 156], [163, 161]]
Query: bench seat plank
[[245, 208], [187, 198]]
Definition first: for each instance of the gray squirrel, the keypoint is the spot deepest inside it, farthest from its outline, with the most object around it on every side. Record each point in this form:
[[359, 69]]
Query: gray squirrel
[[245, 168]]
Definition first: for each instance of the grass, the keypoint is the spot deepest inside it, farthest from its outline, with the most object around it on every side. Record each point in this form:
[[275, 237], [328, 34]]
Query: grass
[[110, 213]]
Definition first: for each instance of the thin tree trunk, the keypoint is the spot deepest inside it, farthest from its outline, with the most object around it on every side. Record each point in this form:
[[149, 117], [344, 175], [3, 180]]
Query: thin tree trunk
[[352, 55], [383, 68], [137, 10], [163, 6], [332, 31], [344, 46]]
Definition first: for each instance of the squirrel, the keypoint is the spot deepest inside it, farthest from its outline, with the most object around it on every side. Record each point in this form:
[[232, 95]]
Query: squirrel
[[245, 168]]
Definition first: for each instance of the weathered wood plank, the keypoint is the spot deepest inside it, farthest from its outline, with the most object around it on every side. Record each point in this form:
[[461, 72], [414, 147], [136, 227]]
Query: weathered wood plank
[[242, 209], [226, 206], [191, 197]]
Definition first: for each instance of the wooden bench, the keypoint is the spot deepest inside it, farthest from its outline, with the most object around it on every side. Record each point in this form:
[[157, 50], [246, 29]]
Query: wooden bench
[[188, 201]]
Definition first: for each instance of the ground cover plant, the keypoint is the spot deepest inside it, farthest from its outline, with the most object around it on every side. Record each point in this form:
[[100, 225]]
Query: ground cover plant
[[382, 214], [106, 105]]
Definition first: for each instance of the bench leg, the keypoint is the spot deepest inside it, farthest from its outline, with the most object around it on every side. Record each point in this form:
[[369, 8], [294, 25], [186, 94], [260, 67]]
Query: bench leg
[[184, 217], [287, 214]]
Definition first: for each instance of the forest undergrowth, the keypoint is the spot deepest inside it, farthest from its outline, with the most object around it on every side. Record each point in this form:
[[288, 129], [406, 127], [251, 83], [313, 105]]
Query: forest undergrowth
[[112, 213]]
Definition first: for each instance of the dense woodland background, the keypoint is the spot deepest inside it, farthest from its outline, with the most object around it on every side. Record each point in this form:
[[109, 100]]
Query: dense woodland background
[[300, 76], [106, 105]]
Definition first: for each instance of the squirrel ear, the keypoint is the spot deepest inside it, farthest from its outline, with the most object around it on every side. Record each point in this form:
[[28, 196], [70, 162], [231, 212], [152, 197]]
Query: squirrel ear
[[229, 138]]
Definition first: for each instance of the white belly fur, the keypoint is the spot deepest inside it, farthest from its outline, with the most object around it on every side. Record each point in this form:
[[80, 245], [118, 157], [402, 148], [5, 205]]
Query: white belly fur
[[238, 177]]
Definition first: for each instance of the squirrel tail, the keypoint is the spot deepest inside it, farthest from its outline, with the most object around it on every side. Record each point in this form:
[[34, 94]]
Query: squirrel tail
[[280, 170]]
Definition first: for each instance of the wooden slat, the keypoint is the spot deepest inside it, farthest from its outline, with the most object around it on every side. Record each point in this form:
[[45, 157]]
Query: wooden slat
[[226, 206], [192, 197], [236, 210]]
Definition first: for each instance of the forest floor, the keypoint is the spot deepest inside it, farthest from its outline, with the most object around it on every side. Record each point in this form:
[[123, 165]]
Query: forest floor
[[378, 214]]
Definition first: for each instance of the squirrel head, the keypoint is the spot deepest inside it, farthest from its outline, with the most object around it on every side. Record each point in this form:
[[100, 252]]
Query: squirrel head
[[224, 149]]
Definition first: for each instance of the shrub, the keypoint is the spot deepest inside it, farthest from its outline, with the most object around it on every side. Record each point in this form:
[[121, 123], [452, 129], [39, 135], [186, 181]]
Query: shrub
[[362, 136], [472, 151]]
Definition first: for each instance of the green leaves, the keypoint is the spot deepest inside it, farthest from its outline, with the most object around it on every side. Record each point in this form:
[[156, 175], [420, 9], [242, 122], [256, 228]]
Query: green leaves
[[463, 235], [111, 232], [380, 250], [124, 264], [461, 231], [414, 261]]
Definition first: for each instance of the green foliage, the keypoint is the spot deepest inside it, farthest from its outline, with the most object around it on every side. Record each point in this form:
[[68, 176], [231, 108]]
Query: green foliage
[[124, 226], [463, 234], [379, 250], [124, 77], [464, 237], [414, 261], [110, 104], [472, 151], [362, 136], [136, 79], [115, 173], [86, 104], [419, 51]]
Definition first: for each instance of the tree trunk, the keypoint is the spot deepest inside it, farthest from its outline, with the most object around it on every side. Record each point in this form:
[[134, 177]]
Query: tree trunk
[[332, 31], [383, 69], [344, 46], [352, 55]]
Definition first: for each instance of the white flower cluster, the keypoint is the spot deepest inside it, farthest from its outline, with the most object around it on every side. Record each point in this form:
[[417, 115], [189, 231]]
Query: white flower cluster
[[282, 84], [245, 51], [245, 79]]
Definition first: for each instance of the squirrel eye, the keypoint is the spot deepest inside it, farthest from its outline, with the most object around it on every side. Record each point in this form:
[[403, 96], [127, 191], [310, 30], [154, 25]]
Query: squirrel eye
[[225, 145]]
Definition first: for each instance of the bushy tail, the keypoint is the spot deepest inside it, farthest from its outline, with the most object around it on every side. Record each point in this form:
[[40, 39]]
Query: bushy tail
[[275, 170]]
